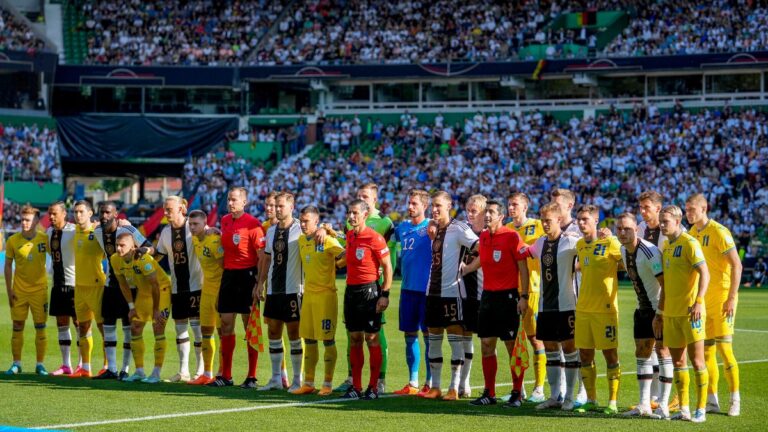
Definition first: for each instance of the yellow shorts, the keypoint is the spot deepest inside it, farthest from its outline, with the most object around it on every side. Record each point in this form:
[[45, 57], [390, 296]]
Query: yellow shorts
[[529, 319], [679, 332], [716, 325], [143, 305], [209, 316], [319, 315], [597, 330], [88, 303], [35, 301]]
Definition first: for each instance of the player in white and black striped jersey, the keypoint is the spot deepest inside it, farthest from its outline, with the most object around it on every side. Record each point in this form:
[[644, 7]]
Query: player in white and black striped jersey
[[452, 240], [643, 262]]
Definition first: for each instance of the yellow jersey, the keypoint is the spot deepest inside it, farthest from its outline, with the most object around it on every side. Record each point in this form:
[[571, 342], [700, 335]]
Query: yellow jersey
[[681, 280], [210, 253], [599, 260], [530, 231], [137, 270], [319, 263], [88, 258], [716, 241], [29, 255]]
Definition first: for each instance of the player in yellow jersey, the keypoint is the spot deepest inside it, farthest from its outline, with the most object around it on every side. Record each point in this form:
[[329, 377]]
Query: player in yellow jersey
[[152, 302], [27, 286], [597, 313], [530, 230], [681, 312], [722, 297], [319, 307], [210, 253], [89, 282]]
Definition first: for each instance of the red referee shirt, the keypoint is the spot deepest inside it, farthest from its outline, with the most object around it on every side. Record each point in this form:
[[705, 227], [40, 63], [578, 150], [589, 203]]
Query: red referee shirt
[[365, 251], [241, 239], [499, 253]]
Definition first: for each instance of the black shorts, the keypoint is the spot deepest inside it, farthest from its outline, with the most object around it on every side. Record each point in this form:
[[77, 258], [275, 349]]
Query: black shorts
[[62, 301], [283, 307], [360, 308], [555, 326], [185, 305], [470, 308], [444, 312], [114, 307], [236, 292], [498, 315], [644, 324]]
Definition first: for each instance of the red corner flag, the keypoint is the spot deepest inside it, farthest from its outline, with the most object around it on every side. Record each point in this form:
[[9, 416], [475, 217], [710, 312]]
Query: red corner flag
[[253, 332]]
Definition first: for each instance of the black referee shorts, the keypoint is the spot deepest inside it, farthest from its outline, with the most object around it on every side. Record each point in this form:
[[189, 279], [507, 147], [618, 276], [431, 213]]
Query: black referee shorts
[[498, 315], [360, 308], [236, 293]]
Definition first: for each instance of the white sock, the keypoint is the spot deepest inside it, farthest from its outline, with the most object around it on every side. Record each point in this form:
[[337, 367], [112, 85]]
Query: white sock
[[182, 346], [554, 373], [436, 358], [195, 324], [65, 345], [456, 342], [276, 356], [735, 396], [126, 348], [110, 346], [297, 354], [666, 376], [563, 380], [572, 366], [655, 381], [466, 368], [644, 379]]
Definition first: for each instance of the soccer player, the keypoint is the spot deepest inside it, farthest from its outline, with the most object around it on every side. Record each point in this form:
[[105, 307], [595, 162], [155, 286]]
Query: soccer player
[[364, 298], [284, 290], [682, 311], [27, 286], [597, 313], [210, 253], [242, 238], [444, 314], [113, 304], [186, 282], [725, 268], [530, 230], [151, 303], [61, 249], [89, 282], [470, 297], [566, 200], [503, 261], [556, 253], [319, 307], [642, 260], [415, 261]]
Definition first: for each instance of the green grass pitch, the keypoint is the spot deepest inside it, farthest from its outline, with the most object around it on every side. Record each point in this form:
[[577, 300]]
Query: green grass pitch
[[74, 404]]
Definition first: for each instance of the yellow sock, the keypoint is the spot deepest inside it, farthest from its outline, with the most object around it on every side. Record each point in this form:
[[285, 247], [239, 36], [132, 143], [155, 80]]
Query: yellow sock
[[41, 342], [730, 366], [159, 350], [710, 359], [329, 358], [209, 351], [311, 357], [86, 346], [613, 372], [17, 343], [701, 378], [589, 376], [137, 348], [682, 381], [540, 368]]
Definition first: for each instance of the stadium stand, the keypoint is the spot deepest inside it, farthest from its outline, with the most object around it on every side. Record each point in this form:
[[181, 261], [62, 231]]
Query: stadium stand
[[30, 153], [15, 35]]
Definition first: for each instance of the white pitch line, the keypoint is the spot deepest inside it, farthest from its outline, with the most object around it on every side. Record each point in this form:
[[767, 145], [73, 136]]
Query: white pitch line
[[752, 331], [271, 406]]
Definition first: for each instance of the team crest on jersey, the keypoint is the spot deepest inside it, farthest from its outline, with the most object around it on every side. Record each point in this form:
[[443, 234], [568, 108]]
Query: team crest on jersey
[[80, 243], [279, 245], [307, 258], [359, 253], [236, 239], [178, 245], [55, 244], [497, 255], [548, 259]]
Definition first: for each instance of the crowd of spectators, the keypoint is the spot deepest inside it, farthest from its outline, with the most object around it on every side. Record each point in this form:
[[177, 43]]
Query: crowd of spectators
[[195, 32], [16, 36], [30, 153]]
